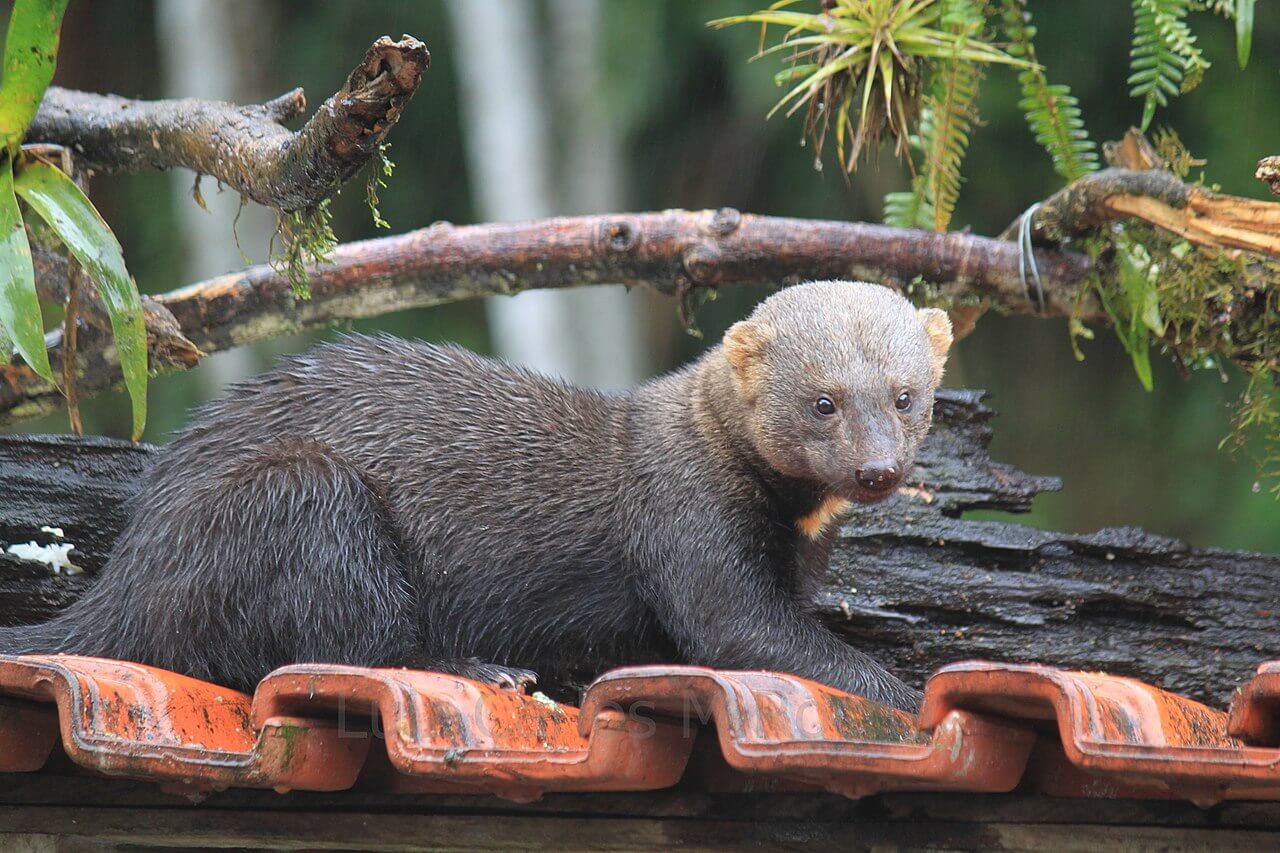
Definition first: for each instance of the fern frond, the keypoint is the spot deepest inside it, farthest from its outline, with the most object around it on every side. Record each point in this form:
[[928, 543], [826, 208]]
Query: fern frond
[[1052, 112], [1164, 59], [949, 111], [909, 209]]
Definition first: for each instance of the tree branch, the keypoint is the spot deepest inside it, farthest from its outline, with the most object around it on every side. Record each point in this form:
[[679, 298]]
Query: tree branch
[[672, 252], [1159, 197], [244, 147]]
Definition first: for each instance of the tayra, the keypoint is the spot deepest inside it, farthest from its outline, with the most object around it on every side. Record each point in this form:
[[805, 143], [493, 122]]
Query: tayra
[[382, 502]]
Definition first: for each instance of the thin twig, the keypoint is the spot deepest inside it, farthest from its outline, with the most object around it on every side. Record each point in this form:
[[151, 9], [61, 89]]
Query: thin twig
[[69, 336]]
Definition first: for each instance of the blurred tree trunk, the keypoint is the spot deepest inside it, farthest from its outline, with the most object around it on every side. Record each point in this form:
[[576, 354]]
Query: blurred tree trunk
[[613, 326], [208, 49], [504, 117], [530, 158]]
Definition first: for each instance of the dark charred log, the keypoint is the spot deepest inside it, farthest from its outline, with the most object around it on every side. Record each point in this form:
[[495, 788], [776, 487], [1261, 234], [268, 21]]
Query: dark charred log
[[912, 581]]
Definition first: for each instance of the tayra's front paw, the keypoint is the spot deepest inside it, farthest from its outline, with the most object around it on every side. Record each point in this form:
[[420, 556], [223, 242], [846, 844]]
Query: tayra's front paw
[[506, 677]]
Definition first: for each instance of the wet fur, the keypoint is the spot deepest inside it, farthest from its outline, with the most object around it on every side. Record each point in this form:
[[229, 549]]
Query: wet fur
[[377, 501]]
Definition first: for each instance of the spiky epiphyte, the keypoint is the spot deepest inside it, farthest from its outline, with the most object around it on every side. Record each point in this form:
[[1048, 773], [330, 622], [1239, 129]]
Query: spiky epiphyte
[[862, 66]]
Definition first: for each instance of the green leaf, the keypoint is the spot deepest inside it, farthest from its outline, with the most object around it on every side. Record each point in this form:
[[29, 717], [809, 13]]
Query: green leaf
[[30, 57], [1149, 311], [1139, 347], [1139, 276], [1141, 318], [1244, 30], [20, 319], [1148, 112], [59, 202]]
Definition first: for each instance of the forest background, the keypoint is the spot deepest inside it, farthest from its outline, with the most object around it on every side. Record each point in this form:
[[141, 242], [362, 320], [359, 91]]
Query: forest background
[[542, 107]]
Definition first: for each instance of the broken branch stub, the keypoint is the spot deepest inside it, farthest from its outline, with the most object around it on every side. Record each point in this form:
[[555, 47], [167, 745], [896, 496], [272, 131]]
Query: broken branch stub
[[244, 147], [1269, 172], [1139, 186]]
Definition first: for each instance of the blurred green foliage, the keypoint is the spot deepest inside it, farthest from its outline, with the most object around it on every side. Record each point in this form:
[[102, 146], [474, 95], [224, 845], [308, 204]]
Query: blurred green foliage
[[692, 113]]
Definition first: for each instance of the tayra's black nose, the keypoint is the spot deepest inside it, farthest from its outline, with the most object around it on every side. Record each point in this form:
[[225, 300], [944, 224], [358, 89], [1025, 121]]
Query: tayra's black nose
[[879, 475]]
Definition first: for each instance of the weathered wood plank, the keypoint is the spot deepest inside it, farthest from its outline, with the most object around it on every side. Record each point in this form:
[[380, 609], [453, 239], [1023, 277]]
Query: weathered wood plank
[[129, 828], [641, 821], [64, 786]]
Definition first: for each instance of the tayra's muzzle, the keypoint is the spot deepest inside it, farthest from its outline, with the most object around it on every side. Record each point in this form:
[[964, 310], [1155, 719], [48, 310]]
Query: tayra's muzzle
[[879, 475]]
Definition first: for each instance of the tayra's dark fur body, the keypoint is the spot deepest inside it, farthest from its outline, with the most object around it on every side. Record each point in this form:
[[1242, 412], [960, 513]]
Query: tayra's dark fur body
[[382, 502]]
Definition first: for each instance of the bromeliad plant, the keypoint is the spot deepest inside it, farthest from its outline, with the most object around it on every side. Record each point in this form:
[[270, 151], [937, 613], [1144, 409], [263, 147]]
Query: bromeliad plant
[[908, 67], [29, 185], [912, 67]]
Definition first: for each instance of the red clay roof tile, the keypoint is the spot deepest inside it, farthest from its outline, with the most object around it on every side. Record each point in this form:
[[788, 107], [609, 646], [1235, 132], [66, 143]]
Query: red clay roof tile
[[125, 719], [1255, 709], [1112, 727], [770, 723], [983, 727], [442, 728]]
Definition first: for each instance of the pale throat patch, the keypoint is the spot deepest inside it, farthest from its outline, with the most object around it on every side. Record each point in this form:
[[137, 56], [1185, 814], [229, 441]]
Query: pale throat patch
[[816, 523]]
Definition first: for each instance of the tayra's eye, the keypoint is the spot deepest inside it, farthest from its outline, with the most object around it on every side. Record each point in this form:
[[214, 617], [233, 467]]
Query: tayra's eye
[[824, 406], [903, 401]]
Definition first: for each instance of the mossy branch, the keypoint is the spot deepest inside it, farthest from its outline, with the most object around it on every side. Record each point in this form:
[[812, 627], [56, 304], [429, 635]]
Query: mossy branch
[[1140, 186], [1183, 269]]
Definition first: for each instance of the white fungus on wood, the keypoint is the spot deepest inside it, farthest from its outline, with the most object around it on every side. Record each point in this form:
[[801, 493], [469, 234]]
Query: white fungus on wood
[[55, 556]]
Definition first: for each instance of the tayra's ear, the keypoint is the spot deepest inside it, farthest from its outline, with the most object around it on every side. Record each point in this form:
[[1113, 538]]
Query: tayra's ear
[[937, 325], [744, 346]]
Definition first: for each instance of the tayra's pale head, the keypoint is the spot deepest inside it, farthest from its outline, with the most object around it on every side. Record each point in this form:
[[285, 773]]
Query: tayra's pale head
[[837, 380]]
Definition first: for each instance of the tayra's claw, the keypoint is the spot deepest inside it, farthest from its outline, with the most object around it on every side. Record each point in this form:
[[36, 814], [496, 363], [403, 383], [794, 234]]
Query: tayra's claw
[[506, 677]]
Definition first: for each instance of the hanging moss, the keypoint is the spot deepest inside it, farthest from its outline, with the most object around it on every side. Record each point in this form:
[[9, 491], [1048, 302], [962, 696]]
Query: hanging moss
[[1208, 309], [380, 167], [308, 241]]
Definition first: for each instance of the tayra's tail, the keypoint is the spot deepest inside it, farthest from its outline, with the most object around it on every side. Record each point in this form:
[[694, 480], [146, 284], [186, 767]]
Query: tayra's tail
[[43, 638], [81, 629]]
